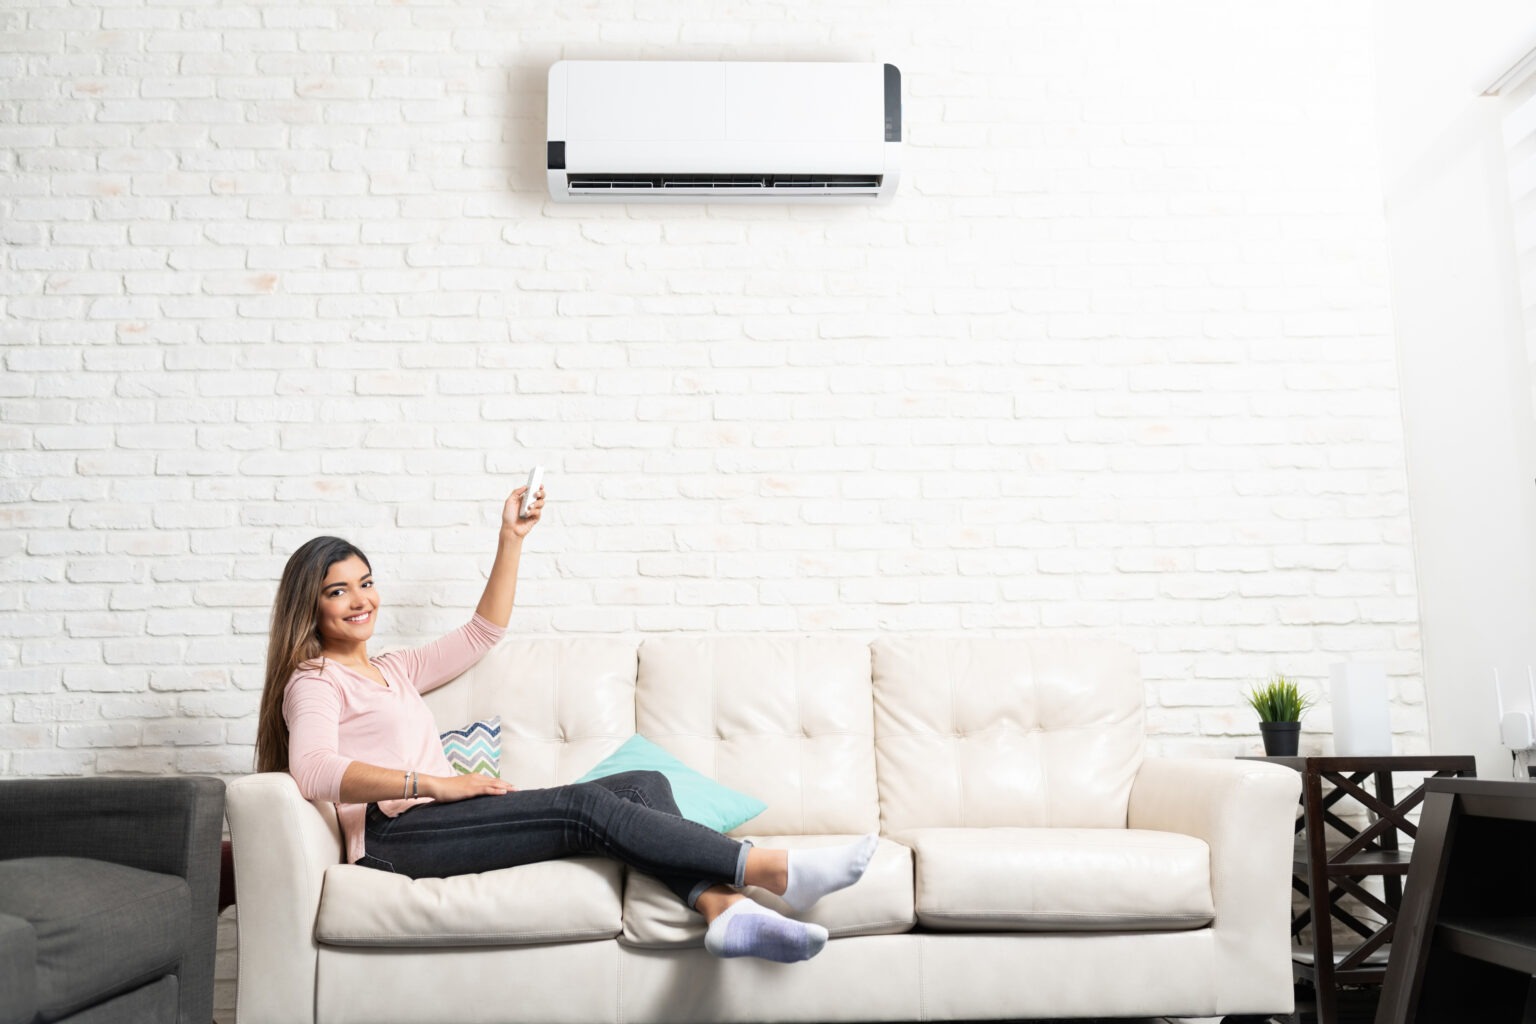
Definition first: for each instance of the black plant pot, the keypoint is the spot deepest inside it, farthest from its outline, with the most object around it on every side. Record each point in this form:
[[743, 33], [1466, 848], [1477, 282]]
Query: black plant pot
[[1281, 739]]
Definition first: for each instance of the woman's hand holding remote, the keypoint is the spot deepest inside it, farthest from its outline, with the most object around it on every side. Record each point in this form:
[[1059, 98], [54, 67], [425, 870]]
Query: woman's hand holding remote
[[518, 524]]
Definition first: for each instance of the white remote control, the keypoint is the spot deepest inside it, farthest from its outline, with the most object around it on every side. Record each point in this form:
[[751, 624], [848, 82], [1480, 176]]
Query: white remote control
[[535, 480]]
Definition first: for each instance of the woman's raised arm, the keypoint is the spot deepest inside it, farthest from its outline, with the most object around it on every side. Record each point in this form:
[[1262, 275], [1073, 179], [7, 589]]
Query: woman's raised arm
[[496, 603]]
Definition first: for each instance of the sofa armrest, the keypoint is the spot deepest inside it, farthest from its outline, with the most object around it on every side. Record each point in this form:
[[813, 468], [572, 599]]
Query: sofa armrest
[[172, 826], [282, 845], [1246, 812]]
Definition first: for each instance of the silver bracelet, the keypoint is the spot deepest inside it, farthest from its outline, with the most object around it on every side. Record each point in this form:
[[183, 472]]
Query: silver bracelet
[[405, 789], [415, 786]]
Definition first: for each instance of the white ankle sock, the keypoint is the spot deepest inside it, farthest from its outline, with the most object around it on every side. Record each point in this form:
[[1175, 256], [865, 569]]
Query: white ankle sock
[[746, 928], [815, 872]]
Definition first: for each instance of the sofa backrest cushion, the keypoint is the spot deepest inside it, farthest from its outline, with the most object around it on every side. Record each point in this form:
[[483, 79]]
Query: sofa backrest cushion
[[564, 704], [789, 720], [978, 732]]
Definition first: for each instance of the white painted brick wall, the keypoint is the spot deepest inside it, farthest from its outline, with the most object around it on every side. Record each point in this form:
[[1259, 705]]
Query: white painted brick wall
[[1118, 357]]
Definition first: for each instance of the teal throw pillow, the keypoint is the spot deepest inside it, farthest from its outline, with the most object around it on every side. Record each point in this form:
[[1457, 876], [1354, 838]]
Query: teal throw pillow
[[699, 798], [475, 748]]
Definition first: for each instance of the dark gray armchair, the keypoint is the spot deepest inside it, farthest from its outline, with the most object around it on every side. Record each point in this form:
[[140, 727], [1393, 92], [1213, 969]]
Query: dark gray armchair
[[108, 899]]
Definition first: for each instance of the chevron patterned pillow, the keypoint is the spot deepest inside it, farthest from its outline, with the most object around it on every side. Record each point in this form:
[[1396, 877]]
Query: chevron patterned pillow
[[475, 748]]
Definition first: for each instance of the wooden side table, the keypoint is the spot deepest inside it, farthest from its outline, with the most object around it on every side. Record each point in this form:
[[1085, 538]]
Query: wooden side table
[[226, 876], [1466, 943], [1329, 867]]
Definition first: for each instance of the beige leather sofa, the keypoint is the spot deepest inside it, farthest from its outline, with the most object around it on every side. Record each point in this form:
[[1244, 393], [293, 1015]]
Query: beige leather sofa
[[1033, 863]]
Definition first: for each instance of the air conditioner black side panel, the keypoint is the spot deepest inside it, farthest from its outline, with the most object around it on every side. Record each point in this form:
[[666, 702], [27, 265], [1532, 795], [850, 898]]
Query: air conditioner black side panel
[[557, 155]]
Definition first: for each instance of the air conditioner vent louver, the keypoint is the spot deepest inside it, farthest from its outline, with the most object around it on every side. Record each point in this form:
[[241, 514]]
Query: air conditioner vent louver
[[670, 131], [750, 184]]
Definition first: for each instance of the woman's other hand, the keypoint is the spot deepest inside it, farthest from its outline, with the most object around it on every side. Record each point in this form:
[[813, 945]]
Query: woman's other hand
[[448, 789], [520, 525]]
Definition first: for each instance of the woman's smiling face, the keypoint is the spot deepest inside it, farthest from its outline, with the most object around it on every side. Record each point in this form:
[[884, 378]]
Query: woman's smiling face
[[349, 604]]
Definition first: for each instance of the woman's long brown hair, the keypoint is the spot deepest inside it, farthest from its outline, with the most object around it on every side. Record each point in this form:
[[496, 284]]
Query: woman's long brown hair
[[294, 639]]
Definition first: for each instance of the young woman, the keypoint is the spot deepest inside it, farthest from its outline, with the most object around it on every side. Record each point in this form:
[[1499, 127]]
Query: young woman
[[354, 730]]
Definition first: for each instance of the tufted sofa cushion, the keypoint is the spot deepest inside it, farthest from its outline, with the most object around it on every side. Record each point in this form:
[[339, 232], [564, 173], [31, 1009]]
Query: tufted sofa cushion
[[564, 704], [788, 720], [983, 732]]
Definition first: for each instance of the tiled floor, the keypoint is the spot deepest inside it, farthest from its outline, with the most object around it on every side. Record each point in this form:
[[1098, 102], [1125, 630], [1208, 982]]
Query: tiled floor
[[1356, 1007]]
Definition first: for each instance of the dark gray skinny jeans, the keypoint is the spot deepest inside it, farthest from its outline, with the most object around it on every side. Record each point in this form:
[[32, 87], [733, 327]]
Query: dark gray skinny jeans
[[630, 817]]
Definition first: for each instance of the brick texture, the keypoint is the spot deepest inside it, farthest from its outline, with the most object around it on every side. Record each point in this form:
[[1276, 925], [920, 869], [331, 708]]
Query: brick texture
[[1117, 358]]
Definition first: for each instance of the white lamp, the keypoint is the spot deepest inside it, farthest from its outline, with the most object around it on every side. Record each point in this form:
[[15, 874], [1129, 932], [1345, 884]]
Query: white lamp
[[1362, 724], [1515, 727]]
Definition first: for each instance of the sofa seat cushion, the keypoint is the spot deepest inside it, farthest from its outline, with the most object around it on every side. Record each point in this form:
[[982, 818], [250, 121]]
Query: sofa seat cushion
[[18, 971], [879, 904], [572, 900], [155, 1003], [100, 928], [1060, 879]]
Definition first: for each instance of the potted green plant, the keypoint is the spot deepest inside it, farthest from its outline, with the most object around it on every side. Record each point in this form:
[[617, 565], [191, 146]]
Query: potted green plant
[[1280, 705]]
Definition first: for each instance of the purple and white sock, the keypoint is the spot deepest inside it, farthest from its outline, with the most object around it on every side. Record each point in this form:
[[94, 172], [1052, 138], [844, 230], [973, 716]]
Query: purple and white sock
[[746, 928]]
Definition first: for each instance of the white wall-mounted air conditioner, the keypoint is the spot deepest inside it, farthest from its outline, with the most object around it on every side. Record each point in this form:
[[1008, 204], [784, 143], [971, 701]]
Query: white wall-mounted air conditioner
[[742, 131]]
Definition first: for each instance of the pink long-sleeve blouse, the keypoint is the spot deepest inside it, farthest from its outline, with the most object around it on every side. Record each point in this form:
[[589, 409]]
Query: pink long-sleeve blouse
[[336, 716]]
